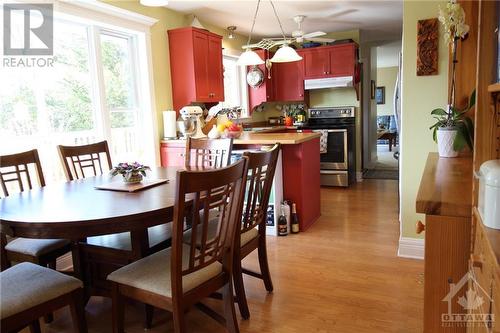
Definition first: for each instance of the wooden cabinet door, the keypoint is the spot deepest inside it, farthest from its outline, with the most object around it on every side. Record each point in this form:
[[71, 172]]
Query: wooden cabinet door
[[288, 81], [215, 69], [316, 63], [200, 50], [342, 60]]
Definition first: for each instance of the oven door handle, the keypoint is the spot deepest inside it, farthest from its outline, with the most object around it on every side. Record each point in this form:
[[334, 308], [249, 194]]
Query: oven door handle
[[331, 130]]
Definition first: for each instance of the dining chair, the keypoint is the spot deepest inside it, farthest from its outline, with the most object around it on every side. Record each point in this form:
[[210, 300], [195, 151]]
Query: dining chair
[[252, 234], [15, 168], [115, 249], [181, 276], [31, 291], [212, 153]]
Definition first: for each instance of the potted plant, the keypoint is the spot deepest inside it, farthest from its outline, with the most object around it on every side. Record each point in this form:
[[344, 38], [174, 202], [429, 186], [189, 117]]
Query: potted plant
[[453, 129], [131, 172]]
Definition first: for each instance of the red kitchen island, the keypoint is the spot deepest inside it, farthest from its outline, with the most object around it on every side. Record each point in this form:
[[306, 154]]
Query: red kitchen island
[[300, 166]]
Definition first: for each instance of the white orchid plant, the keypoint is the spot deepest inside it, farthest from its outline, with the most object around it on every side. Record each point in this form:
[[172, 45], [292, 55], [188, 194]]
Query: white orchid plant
[[452, 17]]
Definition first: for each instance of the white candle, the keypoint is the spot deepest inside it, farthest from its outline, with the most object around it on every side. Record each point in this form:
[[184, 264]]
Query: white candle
[[169, 125]]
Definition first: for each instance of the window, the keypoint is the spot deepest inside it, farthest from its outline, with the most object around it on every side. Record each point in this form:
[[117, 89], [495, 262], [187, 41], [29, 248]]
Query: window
[[235, 86], [90, 94]]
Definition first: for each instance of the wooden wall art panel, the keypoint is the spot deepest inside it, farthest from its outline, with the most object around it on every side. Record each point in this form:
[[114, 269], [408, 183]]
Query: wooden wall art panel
[[427, 47]]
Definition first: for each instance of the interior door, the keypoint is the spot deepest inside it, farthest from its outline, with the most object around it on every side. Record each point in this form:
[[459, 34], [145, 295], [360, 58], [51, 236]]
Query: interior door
[[342, 59], [316, 63], [215, 69], [200, 50]]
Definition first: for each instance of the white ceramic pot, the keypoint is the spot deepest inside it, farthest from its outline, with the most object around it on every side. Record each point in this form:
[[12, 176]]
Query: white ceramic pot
[[445, 139]]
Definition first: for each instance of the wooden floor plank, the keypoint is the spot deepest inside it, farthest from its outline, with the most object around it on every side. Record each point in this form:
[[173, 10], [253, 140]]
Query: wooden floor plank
[[342, 275]]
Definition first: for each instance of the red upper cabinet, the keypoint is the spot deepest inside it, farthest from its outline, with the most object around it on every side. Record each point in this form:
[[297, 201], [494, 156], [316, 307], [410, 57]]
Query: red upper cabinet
[[343, 60], [195, 66], [329, 61], [288, 81], [264, 92], [316, 63]]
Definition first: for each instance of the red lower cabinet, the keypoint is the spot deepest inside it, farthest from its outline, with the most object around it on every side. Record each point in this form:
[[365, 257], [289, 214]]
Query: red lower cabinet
[[172, 154]]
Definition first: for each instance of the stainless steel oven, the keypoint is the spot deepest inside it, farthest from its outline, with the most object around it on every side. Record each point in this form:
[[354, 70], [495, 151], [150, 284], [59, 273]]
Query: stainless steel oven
[[337, 143]]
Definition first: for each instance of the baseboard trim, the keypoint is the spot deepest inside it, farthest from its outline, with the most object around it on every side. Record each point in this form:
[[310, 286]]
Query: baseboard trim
[[359, 176], [411, 248]]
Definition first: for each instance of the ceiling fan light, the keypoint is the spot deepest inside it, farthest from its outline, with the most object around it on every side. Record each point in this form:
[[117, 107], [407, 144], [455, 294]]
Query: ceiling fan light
[[154, 3], [249, 58], [285, 54]]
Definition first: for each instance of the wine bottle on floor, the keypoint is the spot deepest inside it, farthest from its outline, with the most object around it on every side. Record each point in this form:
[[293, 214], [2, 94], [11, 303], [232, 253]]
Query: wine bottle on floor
[[282, 224], [295, 220]]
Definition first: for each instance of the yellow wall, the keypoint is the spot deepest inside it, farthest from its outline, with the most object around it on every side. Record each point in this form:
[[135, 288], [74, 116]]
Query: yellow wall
[[386, 77], [419, 96], [169, 19]]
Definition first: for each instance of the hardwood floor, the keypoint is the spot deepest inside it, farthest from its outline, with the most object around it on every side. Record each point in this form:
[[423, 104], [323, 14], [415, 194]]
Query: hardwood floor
[[342, 275]]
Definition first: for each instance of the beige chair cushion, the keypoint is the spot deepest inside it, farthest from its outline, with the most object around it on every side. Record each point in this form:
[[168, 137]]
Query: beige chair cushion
[[122, 241], [153, 273], [26, 285], [35, 247]]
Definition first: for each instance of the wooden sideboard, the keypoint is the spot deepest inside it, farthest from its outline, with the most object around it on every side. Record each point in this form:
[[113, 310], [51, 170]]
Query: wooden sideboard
[[444, 197]]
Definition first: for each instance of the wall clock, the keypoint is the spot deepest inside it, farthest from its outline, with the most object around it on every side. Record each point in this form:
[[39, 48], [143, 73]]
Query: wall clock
[[255, 77]]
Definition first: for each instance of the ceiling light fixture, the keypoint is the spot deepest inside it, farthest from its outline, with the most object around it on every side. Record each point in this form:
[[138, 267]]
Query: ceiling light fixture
[[249, 57], [284, 53], [154, 3], [231, 30]]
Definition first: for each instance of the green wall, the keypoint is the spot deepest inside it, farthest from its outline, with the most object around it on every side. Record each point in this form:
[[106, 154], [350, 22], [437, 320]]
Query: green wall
[[420, 94], [386, 77], [169, 19]]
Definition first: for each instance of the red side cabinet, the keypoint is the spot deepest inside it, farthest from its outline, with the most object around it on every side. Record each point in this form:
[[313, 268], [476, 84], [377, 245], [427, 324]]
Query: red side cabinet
[[264, 92], [172, 154], [196, 66]]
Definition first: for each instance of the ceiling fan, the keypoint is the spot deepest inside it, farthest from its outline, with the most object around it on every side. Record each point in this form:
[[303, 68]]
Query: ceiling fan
[[298, 36]]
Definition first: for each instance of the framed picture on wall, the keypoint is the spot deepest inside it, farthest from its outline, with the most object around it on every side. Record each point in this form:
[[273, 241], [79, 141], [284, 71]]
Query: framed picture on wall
[[372, 89], [380, 95]]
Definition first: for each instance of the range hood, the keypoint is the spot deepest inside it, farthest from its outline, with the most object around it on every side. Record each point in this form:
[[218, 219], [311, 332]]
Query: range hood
[[331, 82]]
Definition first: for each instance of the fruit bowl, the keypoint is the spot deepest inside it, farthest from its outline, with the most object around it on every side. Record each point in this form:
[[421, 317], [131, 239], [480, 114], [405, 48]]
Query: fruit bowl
[[232, 134]]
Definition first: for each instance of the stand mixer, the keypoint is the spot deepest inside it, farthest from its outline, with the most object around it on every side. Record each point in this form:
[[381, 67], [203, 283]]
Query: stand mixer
[[193, 121]]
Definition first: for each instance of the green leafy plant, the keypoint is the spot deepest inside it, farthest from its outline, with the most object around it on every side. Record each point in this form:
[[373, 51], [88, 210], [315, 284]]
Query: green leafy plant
[[128, 170], [456, 119]]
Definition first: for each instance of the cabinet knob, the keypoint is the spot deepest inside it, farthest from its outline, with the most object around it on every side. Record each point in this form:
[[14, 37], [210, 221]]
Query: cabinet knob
[[419, 227]]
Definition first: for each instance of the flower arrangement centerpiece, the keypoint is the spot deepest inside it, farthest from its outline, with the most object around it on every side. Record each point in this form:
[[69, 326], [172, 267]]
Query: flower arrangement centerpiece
[[131, 172], [453, 128]]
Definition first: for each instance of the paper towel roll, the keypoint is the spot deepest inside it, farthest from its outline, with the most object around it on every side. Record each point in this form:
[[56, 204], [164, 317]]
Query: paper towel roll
[[169, 125]]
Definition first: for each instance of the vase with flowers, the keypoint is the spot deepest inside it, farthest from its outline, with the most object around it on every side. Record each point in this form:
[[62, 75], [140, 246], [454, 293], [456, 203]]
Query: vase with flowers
[[131, 172], [453, 128]]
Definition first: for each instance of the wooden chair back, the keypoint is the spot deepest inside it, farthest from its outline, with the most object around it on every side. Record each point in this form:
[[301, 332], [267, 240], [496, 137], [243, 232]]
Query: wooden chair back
[[261, 169], [208, 153], [83, 158], [15, 167], [197, 193]]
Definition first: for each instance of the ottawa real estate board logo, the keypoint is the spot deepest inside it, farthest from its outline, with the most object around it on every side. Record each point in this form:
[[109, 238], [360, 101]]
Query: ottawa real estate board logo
[[28, 35], [472, 302]]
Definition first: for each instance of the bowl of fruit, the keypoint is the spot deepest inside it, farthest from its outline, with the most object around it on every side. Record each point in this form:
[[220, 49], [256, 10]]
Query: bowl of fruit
[[230, 130]]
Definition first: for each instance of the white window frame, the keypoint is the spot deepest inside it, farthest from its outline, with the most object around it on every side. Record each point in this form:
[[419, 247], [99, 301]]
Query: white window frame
[[241, 78]]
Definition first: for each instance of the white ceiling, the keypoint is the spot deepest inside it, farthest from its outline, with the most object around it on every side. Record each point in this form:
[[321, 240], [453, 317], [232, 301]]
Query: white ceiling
[[380, 20], [387, 54]]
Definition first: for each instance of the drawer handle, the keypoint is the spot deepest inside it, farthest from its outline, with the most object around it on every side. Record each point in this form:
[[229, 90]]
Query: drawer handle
[[419, 227], [476, 261]]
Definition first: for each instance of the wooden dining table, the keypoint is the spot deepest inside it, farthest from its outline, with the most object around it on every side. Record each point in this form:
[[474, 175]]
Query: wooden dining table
[[76, 210]]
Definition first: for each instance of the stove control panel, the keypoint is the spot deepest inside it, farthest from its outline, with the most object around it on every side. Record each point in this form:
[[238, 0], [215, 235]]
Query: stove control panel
[[332, 112]]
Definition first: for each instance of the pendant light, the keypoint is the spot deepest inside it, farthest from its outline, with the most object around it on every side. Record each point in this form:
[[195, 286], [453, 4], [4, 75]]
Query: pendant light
[[249, 57], [285, 53], [154, 3]]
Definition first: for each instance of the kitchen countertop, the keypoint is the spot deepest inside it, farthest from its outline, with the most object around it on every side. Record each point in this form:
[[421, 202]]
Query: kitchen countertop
[[265, 138]]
